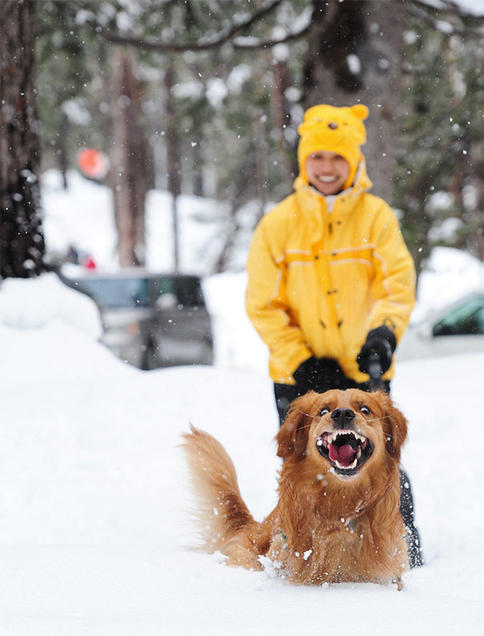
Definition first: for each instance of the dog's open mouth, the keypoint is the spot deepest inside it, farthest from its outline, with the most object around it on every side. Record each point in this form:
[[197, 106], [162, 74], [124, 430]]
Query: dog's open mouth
[[345, 449]]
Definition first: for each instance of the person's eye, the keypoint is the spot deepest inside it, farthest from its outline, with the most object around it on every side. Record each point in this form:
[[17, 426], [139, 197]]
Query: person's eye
[[365, 410], [324, 411]]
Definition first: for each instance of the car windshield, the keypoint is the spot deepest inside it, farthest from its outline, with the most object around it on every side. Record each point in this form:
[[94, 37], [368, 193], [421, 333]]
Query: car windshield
[[466, 319], [117, 292], [186, 290]]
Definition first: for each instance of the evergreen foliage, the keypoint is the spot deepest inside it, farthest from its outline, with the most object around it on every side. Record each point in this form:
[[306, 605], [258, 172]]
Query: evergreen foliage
[[440, 161]]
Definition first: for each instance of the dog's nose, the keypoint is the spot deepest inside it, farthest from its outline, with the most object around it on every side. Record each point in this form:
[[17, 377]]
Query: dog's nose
[[342, 417]]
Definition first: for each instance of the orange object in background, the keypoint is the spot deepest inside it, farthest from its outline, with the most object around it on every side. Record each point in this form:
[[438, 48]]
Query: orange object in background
[[93, 163]]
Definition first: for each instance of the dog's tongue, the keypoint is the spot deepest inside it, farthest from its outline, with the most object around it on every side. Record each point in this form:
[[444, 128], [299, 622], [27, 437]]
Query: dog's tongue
[[345, 454]]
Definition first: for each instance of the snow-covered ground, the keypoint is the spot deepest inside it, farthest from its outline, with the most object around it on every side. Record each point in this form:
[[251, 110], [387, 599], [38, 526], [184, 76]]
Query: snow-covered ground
[[94, 524], [95, 532]]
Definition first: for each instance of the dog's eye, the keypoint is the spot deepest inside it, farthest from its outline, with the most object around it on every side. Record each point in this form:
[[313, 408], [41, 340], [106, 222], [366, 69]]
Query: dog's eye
[[324, 410], [365, 410]]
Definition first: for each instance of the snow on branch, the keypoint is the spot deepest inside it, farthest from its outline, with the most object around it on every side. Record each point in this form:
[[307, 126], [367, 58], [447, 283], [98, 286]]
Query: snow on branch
[[448, 16], [200, 45], [303, 26]]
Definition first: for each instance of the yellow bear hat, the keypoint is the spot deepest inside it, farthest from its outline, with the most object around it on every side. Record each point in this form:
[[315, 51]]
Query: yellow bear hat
[[335, 129]]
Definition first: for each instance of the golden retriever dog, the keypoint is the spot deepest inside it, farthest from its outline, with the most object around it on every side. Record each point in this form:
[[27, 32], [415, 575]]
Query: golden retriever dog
[[337, 517]]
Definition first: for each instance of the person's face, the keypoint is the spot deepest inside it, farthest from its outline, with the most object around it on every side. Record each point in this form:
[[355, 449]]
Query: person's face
[[327, 171]]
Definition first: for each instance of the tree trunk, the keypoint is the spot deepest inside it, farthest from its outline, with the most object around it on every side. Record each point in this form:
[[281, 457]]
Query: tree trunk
[[62, 150], [197, 167], [281, 115], [129, 162], [22, 245], [354, 55], [260, 155], [173, 157]]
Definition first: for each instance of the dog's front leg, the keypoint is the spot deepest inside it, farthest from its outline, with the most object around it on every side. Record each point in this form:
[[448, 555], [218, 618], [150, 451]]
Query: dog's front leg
[[399, 583], [242, 552]]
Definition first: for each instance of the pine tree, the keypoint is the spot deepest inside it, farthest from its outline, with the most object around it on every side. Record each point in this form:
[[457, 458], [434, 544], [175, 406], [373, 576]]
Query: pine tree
[[440, 160]]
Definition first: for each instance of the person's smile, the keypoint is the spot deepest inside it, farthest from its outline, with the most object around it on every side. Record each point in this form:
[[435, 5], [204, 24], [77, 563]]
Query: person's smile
[[327, 171]]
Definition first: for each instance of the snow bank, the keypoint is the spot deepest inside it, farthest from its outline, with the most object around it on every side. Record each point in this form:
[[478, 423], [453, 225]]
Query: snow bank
[[48, 333], [237, 344], [448, 275], [45, 301]]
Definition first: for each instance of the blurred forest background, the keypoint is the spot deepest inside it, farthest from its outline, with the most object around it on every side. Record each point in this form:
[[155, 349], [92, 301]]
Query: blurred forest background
[[204, 97]]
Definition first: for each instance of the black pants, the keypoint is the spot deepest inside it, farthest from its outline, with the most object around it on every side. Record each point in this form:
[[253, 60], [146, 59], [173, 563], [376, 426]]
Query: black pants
[[286, 393]]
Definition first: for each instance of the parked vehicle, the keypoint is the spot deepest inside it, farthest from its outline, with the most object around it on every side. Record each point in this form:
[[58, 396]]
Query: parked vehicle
[[150, 320], [455, 328]]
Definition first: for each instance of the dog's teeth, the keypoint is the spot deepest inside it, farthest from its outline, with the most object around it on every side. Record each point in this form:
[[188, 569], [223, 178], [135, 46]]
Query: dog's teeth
[[350, 467], [332, 436], [358, 452], [336, 434]]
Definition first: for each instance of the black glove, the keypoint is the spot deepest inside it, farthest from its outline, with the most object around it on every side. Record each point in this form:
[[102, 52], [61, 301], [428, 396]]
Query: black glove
[[381, 341], [319, 374]]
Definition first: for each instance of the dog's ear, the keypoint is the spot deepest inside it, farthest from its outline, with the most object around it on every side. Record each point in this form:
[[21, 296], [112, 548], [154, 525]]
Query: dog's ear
[[395, 427], [292, 438]]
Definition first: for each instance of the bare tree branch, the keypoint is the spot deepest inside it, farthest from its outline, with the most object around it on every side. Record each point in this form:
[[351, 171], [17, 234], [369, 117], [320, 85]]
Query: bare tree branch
[[266, 44], [200, 45], [458, 21], [471, 19]]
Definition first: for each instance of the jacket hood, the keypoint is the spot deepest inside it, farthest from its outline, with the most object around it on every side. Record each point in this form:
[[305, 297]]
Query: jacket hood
[[336, 129]]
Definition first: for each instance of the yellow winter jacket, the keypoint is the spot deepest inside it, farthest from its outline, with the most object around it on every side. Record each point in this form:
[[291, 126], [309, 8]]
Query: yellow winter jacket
[[323, 271]]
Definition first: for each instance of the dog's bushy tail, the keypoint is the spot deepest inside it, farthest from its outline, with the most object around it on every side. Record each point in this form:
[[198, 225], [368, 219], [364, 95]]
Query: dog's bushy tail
[[221, 513]]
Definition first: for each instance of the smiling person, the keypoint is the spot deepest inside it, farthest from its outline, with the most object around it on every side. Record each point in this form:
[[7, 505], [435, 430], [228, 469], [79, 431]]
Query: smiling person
[[330, 279], [327, 171]]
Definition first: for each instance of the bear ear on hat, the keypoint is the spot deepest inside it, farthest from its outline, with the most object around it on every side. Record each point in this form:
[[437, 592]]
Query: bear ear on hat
[[315, 113], [360, 110]]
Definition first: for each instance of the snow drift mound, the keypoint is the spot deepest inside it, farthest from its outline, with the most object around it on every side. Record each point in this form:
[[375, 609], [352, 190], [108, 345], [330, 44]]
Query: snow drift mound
[[50, 331]]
